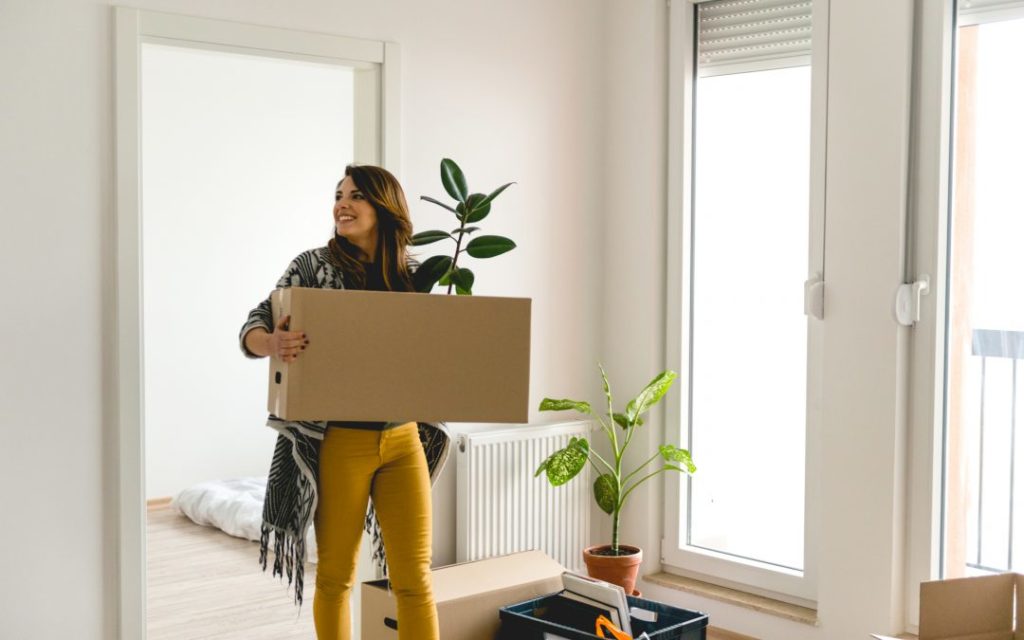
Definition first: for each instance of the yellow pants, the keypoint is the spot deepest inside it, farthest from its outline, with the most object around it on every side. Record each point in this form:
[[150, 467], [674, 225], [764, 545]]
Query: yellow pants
[[390, 467]]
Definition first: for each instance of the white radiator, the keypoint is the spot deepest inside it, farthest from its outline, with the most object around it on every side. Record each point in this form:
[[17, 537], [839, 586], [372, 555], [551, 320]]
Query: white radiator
[[501, 508]]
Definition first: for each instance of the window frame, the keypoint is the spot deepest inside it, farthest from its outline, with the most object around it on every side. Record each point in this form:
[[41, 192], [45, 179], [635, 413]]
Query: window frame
[[931, 190], [796, 587]]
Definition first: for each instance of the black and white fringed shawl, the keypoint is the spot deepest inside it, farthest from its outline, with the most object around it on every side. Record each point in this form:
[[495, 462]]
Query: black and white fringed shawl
[[291, 497]]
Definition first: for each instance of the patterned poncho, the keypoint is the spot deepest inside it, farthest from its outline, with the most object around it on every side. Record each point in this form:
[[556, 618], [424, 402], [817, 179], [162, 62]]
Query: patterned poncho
[[291, 497]]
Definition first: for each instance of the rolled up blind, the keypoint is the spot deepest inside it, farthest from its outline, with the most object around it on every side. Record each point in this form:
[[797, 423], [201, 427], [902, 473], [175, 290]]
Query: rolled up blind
[[734, 36], [981, 11]]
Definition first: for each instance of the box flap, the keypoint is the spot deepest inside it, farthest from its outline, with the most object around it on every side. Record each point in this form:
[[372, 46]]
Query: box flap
[[979, 607], [471, 578], [1019, 584]]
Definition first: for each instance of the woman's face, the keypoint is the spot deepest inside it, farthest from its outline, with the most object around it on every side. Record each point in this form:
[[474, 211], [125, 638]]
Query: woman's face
[[354, 216]]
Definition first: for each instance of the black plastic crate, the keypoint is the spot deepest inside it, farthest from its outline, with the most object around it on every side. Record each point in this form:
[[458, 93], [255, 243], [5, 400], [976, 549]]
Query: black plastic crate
[[562, 617]]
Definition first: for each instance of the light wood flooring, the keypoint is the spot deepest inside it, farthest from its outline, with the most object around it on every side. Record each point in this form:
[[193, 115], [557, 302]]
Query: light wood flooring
[[205, 584]]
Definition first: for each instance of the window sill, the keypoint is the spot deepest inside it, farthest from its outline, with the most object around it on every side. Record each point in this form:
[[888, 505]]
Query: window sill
[[758, 603]]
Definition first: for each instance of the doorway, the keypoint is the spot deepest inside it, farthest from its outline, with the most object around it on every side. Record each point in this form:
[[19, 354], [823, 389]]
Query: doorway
[[231, 138]]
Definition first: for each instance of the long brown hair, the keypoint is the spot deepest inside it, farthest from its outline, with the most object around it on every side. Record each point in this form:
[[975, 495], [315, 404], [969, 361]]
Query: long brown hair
[[394, 230]]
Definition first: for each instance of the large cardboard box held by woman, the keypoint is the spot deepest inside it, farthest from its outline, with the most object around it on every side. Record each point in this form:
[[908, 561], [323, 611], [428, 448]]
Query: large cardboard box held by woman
[[385, 356]]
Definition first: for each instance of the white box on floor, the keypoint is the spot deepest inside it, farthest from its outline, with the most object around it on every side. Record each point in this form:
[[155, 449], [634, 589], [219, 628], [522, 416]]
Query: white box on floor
[[468, 595]]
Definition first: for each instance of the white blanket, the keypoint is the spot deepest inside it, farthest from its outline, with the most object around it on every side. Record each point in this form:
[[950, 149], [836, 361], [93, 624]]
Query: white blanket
[[234, 505]]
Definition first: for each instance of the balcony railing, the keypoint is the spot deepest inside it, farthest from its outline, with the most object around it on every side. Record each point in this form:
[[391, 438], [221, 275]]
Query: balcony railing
[[994, 532]]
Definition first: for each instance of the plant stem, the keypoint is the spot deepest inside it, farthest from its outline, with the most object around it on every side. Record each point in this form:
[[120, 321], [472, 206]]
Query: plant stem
[[640, 468], [611, 431], [608, 429], [615, 531], [458, 243], [603, 461], [639, 482], [629, 433]]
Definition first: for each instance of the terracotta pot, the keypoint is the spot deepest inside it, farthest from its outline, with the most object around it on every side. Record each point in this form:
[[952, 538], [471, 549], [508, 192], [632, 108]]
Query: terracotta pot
[[620, 570]]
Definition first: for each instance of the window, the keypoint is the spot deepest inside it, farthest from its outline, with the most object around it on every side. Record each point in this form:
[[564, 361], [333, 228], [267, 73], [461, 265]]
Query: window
[[750, 235], [965, 469], [984, 390]]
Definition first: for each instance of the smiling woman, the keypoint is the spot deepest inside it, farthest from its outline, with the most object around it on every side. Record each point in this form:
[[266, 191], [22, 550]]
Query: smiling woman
[[372, 229], [343, 464]]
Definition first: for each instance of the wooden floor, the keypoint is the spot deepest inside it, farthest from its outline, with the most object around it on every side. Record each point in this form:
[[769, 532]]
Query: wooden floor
[[205, 584]]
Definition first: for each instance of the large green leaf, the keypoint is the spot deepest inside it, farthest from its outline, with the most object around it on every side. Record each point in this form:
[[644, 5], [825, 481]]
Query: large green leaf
[[489, 246], [605, 493], [453, 180], [652, 393], [623, 421], [607, 387], [672, 467], [427, 237], [550, 404], [463, 280], [478, 209], [494, 194], [564, 464], [466, 230], [672, 453], [439, 203], [430, 272]]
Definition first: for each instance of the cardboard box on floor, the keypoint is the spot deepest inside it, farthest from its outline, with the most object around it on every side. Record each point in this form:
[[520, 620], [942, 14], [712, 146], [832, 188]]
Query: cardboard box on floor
[[468, 595], [384, 356], [980, 608]]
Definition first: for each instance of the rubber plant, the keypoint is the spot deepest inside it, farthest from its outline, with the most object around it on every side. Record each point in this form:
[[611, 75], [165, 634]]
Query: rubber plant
[[469, 208], [610, 487]]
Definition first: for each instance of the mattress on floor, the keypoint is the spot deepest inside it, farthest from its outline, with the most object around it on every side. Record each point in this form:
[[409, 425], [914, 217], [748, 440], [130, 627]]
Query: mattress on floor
[[234, 505]]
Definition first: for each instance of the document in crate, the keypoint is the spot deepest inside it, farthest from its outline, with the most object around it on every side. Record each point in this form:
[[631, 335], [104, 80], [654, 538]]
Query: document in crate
[[598, 593]]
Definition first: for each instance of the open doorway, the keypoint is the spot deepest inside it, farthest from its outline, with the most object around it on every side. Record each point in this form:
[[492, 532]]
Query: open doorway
[[241, 134]]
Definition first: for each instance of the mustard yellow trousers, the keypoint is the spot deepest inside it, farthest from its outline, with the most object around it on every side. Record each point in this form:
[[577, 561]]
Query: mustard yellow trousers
[[389, 466]]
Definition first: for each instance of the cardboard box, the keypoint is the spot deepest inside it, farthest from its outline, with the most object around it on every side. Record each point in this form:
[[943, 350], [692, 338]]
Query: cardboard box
[[980, 608], [384, 356], [468, 595]]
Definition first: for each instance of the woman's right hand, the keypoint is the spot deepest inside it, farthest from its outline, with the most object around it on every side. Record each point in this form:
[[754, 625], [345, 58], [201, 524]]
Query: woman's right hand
[[286, 345]]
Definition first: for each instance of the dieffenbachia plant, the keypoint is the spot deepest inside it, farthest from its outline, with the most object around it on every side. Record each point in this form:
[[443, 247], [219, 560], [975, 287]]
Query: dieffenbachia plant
[[469, 208], [610, 487]]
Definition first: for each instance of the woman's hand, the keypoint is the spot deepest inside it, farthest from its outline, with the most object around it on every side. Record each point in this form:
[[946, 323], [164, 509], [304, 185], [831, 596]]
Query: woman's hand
[[286, 345]]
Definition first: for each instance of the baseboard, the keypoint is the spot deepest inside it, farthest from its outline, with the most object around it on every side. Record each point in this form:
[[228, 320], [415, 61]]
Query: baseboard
[[714, 633], [158, 503]]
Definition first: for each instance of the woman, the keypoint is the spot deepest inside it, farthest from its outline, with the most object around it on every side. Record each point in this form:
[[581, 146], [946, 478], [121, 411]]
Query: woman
[[331, 469]]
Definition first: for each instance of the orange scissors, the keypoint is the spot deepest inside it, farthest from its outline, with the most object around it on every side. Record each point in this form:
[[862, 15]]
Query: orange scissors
[[604, 624]]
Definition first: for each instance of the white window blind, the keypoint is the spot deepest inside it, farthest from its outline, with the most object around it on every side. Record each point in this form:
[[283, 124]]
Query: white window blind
[[982, 11], [735, 36]]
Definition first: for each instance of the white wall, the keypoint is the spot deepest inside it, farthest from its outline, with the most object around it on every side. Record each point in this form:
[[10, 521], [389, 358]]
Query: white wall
[[511, 89]]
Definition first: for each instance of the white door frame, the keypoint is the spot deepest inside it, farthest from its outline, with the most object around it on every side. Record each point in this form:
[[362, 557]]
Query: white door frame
[[133, 28]]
